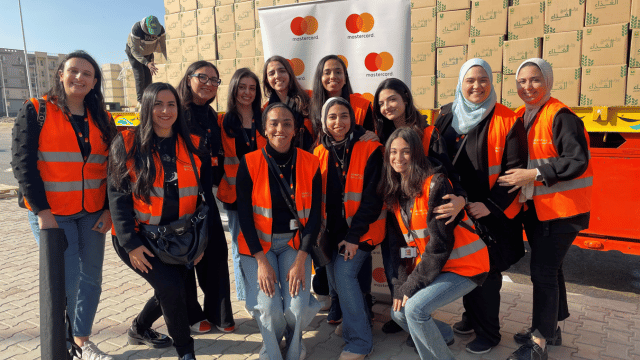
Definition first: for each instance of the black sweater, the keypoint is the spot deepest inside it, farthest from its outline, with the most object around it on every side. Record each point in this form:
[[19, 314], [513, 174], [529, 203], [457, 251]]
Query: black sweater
[[281, 213], [203, 121], [370, 204]]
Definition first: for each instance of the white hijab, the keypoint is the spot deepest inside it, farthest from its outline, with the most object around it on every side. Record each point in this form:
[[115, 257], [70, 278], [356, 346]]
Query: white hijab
[[530, 110]]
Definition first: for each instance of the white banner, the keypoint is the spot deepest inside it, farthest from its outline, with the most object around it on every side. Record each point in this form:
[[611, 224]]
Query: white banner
[[373, 37]]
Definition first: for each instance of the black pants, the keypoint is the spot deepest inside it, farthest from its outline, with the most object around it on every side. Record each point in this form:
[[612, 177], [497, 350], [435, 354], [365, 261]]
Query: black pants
[[168, 282], [392, 242], [141, 73], [482, 308]]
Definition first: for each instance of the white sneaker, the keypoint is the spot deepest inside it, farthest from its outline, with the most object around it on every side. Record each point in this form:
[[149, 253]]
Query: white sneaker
[[91, 352]]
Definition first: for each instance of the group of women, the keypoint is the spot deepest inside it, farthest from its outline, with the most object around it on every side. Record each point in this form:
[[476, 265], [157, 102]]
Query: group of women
[[445, 201]]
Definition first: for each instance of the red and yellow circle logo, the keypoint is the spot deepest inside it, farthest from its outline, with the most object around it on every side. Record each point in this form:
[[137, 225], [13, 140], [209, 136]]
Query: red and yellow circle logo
[[344, 60], [297, 65], [304, 25], [379, 276], [382, 61], [363, 22]]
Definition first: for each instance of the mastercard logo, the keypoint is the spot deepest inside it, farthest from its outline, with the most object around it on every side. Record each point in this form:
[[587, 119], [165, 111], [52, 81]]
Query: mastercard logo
[[297, 65], [356, 23], [379, 276], [344, 60], [382, 61], [304, 25]]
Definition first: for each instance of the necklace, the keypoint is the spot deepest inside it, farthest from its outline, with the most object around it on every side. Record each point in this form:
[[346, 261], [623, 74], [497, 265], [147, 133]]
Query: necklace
[[285, 164]]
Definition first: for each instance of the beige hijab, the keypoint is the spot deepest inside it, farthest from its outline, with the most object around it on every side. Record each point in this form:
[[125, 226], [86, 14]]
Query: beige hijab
[[547, 74]]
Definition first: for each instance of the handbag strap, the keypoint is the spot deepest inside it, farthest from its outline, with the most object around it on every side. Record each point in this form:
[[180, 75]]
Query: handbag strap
[[281, 185], [195, 172]]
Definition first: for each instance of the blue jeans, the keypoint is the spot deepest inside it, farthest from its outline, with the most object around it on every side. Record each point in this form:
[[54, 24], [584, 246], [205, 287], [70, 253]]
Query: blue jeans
[[280, 315], [416, 318], [82, 265], [356, 326], [234, 229]]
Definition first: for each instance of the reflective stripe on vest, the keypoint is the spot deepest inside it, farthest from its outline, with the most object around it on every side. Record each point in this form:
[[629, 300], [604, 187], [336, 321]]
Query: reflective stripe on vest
[[359, 156], [227, 187], [187, 185], [71, 182], [469, 256], [305, 168], [565, 198]]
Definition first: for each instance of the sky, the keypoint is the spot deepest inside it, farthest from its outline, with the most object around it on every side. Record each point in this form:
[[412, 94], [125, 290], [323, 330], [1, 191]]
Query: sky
[[99, 27]]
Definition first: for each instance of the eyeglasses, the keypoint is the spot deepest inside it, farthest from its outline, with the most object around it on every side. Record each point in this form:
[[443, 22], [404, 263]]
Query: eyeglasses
[[205, 79]]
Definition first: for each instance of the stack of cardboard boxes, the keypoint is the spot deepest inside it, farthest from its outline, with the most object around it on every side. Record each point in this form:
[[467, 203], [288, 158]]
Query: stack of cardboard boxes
[[423, 53], [112, 89]]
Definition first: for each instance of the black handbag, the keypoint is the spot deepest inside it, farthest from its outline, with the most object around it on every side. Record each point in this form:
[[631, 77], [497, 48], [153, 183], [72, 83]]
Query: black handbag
[[182, 241]]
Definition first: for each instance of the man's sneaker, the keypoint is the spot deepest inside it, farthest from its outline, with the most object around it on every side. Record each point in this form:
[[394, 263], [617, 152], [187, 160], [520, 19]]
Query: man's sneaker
[[479, 346], [335, 313], [91, 352], [201, 327], [391, 327], [530, 351], [149, 337], [462, 328], [524, 337], [229, 329]]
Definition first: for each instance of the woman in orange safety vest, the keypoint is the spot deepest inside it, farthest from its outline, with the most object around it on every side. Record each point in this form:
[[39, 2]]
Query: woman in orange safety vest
[[556, 187], [440, 261], [60, 148], [279, 202]]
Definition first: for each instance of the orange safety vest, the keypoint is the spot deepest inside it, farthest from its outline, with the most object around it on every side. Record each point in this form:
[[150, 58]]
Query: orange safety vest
[[227, 187], [501, 123], [187, 184], [360, 106], [426, 138], [566, 198], [71, 183], [360, 154], [305, 168], [469, 256]]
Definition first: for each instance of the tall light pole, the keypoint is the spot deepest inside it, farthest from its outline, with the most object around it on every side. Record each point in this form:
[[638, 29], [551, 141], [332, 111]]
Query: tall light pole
[[26, 60], [4, 89]]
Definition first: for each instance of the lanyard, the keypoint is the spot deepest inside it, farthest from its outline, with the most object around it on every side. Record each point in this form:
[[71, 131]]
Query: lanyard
[[251, 143], [342, 174], [406, 219], [282, 183]]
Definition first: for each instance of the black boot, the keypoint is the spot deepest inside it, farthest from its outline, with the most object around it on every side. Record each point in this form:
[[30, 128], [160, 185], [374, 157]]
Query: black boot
[[530, 351]]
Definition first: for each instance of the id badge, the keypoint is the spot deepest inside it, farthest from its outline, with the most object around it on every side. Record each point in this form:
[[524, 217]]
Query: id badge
[[293, 224]]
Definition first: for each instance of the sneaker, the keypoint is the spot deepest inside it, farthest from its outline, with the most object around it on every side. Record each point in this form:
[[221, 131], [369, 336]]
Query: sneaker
[[149, 337], [335, 314], [338, 330], [479, 346], [530, 351], [391, 327], [325, 301], [462, 328], [91, 352], [524, 337], [227, 329], [190, 356], [201, 327]]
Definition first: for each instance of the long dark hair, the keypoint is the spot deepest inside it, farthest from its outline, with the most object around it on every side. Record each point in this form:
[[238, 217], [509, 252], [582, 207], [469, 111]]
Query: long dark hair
[[320, 94], [394, 186], [412, 116], [144, 149], [296, 92], [93, 101], [184, 87], [232, 124]]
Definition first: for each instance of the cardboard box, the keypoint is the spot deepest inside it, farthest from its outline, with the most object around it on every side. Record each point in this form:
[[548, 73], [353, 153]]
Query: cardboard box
[[488, 48], [226, 68], [206, 21], [566, 85], [563, 15], [189, 24], [633, 88], [423, 59], [174, 73], [259, 48], [497, 84], [563, 49], [423, 24], [261, 4], [225, 20], [452, 28], [634, 50], [417, 4], [509, 94], [603, 85], [634, 20], [259, 61], [285, 2], [188, 5], [224, 2], [449, 5], [221, 98], [488, 18], [206, 4], [109, 74], [526, 21], [245, 44], [423, 90], [249, 63], [605, 45], [171, 6], [517, 51], [161, 75], [173, 26], [244, 14], [189, 49], [226, 46], [604, 12], [445, 91], [111, 67], [449, 60], [113, 93], [115, 84], [174, 51], [524, 2], [207, 47]]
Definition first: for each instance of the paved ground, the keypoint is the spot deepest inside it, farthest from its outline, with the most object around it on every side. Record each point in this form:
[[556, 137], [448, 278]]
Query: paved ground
[[597, 328]]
